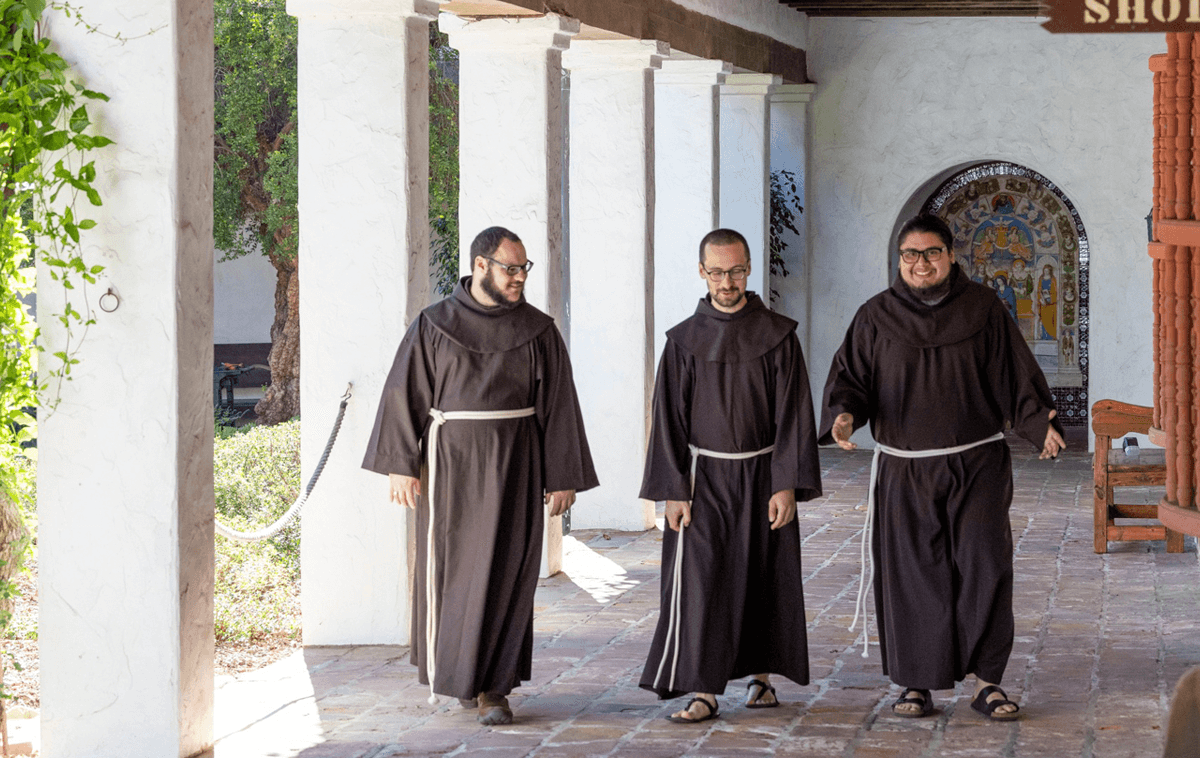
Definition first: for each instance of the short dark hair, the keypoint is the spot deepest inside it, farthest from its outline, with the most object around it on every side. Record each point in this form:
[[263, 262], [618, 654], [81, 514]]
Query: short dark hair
[[723, 237], [487, 241], [929, 224]]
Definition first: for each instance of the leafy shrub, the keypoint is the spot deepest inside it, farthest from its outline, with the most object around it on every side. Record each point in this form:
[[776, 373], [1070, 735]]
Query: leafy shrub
[[257, 478]]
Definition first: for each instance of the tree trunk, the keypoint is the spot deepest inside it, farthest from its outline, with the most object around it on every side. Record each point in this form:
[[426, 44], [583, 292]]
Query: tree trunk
[[281, 401]]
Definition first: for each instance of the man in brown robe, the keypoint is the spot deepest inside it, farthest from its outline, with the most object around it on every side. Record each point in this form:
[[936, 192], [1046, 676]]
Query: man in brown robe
[[938, 368], [731, 409], [486, 377]]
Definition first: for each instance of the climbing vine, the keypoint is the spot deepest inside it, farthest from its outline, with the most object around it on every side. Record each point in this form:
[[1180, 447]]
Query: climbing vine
[[45, 177]]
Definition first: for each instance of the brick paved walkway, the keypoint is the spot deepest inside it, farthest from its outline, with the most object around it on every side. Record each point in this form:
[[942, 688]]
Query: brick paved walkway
[[1100, 642]]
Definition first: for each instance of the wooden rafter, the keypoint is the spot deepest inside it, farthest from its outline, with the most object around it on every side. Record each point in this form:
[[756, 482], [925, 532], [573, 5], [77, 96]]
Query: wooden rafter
[[942, 8]]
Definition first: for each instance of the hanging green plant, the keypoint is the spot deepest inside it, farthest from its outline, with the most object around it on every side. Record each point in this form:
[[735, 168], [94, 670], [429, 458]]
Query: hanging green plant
[[44, 178]]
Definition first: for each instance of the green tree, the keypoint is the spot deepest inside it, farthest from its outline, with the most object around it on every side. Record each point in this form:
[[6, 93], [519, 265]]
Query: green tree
[[255, 152], [443, 161]]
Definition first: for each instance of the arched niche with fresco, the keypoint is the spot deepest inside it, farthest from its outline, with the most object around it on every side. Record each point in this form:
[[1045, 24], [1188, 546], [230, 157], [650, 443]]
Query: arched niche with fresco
[[1015, 231]]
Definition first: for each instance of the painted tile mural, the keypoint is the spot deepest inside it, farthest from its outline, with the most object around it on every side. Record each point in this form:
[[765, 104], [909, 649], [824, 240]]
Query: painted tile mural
[[1017, 233]]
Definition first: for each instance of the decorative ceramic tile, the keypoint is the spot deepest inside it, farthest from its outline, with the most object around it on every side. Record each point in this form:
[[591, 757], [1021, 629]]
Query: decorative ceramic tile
[[1015, 231]]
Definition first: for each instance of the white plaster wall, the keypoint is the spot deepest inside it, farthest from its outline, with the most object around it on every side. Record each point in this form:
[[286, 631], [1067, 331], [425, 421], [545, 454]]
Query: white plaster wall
[[687, 185], [900, 100], [125, 472], [789, 152], [769, 17], [243, 298], [746, 168], [363, 84], [612, 259], [511, 134]]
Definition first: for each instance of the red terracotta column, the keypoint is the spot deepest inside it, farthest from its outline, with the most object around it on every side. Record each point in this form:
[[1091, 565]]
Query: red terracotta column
[[1184, 464], [1157, 65], [1166, 211]]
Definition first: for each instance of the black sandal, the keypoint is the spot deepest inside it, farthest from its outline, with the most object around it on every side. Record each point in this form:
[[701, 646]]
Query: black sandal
[[754, 700], [712, 712], [925, 701], [987, 708]]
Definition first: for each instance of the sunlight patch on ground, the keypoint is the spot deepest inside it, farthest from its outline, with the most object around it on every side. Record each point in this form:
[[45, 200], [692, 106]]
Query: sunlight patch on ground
[[596, 575], [277, 701]]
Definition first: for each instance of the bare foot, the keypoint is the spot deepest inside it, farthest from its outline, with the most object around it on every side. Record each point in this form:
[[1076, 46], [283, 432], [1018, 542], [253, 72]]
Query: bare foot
[[702, 707], [913, 703], [997, 694], [760, 693]]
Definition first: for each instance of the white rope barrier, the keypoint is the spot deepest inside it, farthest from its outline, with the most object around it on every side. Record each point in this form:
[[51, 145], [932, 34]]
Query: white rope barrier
[[270, 531]]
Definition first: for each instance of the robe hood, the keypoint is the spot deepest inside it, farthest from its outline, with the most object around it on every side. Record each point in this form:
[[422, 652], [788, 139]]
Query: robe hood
[[745, 335], [481, 329], [959, 316]]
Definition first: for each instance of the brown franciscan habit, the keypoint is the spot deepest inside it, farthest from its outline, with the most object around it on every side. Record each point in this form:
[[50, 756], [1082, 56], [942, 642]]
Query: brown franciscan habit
[[492, 475]]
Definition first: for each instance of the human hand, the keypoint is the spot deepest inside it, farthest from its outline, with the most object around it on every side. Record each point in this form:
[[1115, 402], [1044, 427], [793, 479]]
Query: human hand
[[843, 427], [1054, 442], [404, 490], [782, 508], [559, 501], [679, 513]]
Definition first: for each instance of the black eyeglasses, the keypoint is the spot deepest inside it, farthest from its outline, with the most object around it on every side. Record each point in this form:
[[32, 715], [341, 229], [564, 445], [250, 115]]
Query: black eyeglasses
[[737, 273], [508, 268], [931, 255]]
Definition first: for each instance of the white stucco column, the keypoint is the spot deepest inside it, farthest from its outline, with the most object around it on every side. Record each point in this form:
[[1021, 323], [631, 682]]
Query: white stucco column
[[612, 268], [746, 168], [364, 274], [125, 493], [789, 152], [686, 179], [511, 139], [510, 156]]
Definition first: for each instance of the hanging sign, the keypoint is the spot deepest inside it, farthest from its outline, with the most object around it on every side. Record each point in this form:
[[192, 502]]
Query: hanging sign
[[1109, 16]]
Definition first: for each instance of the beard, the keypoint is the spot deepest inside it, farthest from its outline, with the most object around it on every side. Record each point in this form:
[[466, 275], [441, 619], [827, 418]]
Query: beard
[[935, 291], [495, 292], [729, 298]]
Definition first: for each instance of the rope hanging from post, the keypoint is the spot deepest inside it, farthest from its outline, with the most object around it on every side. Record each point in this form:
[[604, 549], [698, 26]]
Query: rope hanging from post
[[270, 531]]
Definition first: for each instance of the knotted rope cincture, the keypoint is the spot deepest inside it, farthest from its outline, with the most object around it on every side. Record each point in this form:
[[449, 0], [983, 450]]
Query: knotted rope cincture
[[673, 617], [273, 529], [440, 418], [865, 554]]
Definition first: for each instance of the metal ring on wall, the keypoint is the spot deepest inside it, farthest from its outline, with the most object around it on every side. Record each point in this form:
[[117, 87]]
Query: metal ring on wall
[[110, 301]]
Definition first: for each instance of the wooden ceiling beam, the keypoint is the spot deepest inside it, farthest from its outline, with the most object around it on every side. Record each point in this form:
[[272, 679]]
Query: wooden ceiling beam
[[914, 8], [683, 29]]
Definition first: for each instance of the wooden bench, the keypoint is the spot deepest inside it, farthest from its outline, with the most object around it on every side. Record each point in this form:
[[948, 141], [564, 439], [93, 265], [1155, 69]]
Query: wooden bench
[[1113, 468]]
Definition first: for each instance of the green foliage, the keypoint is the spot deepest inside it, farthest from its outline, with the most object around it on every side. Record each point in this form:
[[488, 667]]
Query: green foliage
[[443, 162], [257, 478], [785, 206], [255, 190], [44, 176]]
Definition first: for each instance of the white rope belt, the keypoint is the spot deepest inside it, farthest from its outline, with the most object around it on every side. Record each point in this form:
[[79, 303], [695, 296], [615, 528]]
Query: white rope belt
[[867, 579], [440, 418], [673, 616]]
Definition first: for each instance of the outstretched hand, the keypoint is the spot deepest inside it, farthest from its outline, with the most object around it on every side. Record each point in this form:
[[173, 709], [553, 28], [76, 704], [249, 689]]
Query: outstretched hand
[[404, 490], [843, 427], [1054, 442]]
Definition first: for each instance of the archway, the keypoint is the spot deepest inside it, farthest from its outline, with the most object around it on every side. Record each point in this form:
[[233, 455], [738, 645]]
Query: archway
[[1016, 231]]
